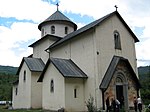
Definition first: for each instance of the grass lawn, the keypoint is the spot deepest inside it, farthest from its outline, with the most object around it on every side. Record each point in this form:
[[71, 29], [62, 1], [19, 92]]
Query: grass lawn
[[20, 110]]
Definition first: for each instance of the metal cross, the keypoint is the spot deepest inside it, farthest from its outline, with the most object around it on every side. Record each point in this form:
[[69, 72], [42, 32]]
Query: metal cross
[[57, 6], [116, 7]]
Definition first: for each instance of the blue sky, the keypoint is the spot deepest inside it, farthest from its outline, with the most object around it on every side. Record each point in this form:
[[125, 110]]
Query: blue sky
[[19, 21]]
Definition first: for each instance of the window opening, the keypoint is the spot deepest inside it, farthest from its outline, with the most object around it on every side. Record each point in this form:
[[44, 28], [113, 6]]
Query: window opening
[[66, 30], [43, 32], [75, 93], [52, 86], [16, 91], [52, 29], [117, 40], [24, 76]]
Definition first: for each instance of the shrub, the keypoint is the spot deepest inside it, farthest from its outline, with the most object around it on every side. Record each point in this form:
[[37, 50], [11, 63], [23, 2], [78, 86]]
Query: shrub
[[90, 105], [147, 110]]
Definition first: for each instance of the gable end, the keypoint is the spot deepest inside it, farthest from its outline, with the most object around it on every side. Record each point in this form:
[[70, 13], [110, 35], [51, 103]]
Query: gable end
[[92, 25], [111, 69]]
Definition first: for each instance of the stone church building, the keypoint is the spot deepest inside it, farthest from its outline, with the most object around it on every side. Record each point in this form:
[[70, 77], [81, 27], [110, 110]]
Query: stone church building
[[70, 65]]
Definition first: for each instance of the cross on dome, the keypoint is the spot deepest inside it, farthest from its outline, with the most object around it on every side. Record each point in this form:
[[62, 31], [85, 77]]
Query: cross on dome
[[57, 6]]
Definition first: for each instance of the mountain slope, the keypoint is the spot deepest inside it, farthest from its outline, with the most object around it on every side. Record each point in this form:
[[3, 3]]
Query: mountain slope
[[144, 70], [8, 69]]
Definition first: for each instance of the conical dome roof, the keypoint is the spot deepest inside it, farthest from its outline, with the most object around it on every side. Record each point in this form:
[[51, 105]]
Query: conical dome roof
[[57, 16]]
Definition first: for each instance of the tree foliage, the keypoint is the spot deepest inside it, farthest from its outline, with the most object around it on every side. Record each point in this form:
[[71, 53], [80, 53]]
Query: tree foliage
[[145, 90], [6, 81], [8, 70]]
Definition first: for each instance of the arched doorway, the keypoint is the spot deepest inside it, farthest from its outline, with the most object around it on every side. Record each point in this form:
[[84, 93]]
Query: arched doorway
[[121, 90]]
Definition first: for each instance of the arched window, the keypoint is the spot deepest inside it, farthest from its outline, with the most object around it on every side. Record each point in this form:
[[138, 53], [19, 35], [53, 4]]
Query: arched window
[[66, 30], [52, 86], [117, 41], [52, 29], [42, 31], [75, 93], [24, 75], [16, 91]]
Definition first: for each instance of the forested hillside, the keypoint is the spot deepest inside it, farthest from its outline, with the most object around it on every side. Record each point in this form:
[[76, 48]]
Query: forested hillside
[[8, 70], [144, 77], [143, 71], [6, 81], [7, 77]]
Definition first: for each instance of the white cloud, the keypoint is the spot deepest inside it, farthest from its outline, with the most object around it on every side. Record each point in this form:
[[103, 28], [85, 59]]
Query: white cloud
[[94, 8], [135, 13], [9, 39], [8, 57], [35, 10], [80, 25], [21, 32]]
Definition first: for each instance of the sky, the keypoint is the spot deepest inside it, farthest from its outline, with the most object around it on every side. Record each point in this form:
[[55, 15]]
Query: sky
[[19, 20]]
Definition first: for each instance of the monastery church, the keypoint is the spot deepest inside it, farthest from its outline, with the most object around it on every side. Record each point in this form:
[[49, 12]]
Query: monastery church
[[70, 65]]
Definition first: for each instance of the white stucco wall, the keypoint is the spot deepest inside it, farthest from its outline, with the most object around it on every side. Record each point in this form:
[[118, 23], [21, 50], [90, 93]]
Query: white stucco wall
[[105, 47], [23, 98], [63, 51], [36, 91], [29, 93], [74, 104], [59, 28], [105, 44], [93, 52], [14, 96], [53, 100], [82, 51], [39, 50]]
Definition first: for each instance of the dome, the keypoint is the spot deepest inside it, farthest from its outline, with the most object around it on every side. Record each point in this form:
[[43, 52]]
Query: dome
[[57, 16]]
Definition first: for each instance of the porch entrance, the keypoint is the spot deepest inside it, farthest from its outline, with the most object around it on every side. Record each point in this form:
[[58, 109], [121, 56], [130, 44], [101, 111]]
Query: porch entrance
[[120, 95], [122, 90]]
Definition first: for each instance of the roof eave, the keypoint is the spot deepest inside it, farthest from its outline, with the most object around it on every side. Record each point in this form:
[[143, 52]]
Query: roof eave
[[128, 28], [97, 22], [57, 43], [104, 85], [84, 29], [20, 66], [75, 77], [52, 21], [44, 37]]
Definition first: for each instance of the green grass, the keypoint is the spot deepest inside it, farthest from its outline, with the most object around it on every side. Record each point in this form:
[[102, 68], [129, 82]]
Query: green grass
[[6, 110], [2, 109]]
